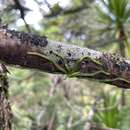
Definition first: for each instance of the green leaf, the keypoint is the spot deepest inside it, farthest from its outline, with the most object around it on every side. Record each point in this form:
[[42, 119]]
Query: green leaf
[[103, 17]]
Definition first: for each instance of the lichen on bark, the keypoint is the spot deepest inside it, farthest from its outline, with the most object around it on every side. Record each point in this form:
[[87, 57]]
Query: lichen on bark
[[31, 51]]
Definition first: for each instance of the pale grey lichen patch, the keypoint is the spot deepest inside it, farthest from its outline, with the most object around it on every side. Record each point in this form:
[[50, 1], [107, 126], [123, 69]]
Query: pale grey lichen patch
[[68, 51]]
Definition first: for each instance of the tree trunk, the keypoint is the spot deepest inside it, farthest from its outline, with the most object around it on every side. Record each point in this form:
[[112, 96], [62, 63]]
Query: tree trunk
[[122, 52], [5, 111]]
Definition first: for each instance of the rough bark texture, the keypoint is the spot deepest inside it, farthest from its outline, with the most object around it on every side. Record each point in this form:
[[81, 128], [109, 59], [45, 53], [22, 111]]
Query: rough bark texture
[[32, 51], [5, 111]]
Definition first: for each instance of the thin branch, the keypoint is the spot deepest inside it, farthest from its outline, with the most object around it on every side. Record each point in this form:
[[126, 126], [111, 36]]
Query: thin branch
[[22, 10], [66, 11], [48, 5]]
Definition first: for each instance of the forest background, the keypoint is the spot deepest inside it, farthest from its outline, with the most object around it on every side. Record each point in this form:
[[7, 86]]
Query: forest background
[[42, 101]]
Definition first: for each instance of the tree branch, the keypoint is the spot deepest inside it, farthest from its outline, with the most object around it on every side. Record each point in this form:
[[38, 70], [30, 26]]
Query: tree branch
[[66, 12], [32, 51]]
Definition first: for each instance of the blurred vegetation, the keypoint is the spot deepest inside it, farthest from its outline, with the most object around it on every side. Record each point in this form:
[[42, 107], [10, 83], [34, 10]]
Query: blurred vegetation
[[42, 101]]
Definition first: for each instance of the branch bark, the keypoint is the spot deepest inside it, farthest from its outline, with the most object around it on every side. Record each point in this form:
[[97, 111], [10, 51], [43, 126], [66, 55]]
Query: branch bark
[[31, 51], [5, 110]]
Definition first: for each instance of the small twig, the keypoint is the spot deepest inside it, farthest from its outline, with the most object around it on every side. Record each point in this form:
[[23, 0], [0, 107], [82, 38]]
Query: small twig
[[22, 10]]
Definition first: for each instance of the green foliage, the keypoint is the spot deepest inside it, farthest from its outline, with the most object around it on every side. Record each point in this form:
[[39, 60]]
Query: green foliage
[[56, 9], [116, 12], [108, 113], [19, 114], [124, 114], [124, 118], [115, 16]]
